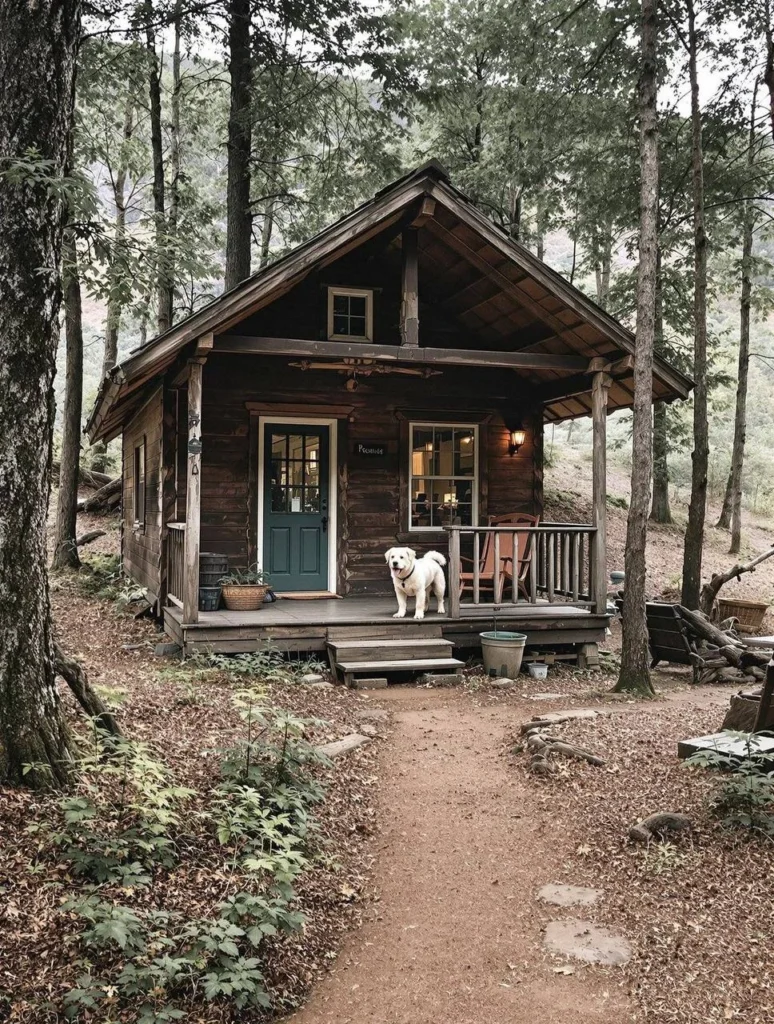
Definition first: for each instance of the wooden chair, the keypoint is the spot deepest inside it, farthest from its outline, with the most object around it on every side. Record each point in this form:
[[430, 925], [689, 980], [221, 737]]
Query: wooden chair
[[512, 568]]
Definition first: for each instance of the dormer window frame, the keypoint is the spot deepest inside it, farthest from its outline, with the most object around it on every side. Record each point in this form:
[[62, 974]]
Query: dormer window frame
[[358, 293]]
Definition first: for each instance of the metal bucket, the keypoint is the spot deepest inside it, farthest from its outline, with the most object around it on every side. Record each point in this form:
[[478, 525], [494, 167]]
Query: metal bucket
[[503, 652]]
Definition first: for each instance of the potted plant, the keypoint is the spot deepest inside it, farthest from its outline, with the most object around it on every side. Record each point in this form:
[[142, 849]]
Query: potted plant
[[244, 590]]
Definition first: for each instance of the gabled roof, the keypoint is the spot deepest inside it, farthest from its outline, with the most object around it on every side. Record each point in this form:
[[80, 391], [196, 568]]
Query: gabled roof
[[520, 304]]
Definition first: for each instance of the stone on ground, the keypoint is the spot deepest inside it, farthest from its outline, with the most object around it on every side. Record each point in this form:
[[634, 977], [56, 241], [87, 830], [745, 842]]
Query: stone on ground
[[556, 717], [586, 941], [568, 895], [312, 677], [502, 683], [321, 685], [441, 679], [379, 683], [545, 696], [344, 746], [374, 715]]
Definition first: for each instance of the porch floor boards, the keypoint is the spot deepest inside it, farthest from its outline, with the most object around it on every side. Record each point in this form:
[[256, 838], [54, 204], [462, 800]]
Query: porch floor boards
[[297, 626]]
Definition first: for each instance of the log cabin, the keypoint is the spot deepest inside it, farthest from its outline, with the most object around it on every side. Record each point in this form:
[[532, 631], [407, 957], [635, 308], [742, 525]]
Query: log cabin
[[385, 383]]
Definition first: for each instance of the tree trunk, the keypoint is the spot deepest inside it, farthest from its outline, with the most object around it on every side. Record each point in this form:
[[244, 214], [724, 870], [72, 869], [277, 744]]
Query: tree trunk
[[697, 508], [745, 302], [602, 265], [768, 73], [65, 547], [163, 282], [660, 511], [634, 673], [724, 519], [38, 44], [174, 155], [239, 221], [115, 302]]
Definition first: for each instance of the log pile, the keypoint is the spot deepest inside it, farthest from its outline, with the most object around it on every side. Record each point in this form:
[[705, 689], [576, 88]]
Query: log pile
[[106, 499], [720, 655]]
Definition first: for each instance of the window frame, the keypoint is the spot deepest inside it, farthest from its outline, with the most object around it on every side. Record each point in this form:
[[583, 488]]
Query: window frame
[[140, 459], [476, 478], [355, 293]]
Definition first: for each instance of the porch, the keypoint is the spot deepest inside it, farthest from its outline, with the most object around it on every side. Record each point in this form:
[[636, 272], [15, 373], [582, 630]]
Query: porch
[[551, 586]]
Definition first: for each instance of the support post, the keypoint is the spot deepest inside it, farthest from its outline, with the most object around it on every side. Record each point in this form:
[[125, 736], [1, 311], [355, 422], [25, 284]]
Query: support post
[[600, 385], [193, 494], [167, 485], [409, 325], [455, 567]]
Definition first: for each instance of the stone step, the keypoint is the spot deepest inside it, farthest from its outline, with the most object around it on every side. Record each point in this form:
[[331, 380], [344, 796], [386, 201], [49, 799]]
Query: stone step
[[405, 665]]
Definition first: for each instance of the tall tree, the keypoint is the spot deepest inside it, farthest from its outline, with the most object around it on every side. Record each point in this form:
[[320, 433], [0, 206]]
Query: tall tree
[[164, 281], [239, 220], [38, 45], [634, 673], [65, 548], [697, 508]]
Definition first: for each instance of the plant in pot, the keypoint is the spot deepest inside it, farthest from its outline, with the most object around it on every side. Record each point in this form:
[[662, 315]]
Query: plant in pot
[[244, 590]]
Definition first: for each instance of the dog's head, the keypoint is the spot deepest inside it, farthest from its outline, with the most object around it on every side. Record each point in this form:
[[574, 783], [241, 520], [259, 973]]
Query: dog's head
[[400, 559]]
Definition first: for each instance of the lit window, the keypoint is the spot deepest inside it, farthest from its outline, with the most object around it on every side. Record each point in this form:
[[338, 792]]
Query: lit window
[[139, 484], [443, 475], [350, 314]]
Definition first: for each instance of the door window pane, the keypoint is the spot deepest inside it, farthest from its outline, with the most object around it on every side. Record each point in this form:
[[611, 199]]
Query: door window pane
[[295, 472]]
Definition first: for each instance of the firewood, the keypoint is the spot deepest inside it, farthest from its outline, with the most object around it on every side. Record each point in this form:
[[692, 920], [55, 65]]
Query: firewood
[[87, 538], [656, 825], [105, 498]]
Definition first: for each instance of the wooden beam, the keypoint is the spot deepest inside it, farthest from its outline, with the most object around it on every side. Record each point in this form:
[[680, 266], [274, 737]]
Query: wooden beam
[[193, 496], [601, 383], [431, 356], [582, 383], [409, 310], [426, 211]]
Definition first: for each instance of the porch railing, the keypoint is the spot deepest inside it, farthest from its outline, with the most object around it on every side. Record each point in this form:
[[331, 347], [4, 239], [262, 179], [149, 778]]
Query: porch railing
[[175, 562], [556, 565]]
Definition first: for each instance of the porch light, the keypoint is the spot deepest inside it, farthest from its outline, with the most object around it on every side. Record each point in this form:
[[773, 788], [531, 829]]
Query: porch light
[[518, 437]]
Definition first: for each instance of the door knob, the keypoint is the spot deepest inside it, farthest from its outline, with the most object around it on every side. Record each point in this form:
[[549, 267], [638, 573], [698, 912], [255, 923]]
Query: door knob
[[324, 522]]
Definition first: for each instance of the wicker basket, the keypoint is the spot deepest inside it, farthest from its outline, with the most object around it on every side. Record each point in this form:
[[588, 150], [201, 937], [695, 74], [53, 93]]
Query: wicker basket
[[749, 613], [244, 597]]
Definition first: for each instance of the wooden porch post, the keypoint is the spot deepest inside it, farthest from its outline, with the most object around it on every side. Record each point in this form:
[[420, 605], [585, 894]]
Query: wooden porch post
[[409, 320], [600, 384], [193, 493], [455, 568]]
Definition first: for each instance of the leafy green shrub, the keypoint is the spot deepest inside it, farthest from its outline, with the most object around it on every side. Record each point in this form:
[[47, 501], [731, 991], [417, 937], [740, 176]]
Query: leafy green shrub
[[146, 964], [744, 796], [268, 665]]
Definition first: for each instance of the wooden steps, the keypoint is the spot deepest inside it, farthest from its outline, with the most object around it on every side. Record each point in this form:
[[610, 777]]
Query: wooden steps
[[352, 656]]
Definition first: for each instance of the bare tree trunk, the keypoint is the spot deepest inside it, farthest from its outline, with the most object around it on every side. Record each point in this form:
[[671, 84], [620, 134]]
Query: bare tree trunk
[[174, 155], [115, 303], [602, 266], [660, 511], [164, 289], [694, 534], [724, 519], [768, 74], [38, 44], [740, 419], [745, 301], [634, 673], [65, 546], [239, 220]]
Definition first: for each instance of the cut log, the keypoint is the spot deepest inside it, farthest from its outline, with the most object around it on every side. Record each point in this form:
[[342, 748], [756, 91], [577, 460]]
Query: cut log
[[105, 499], [86, 477], [74, 674], [658, 825], [87, 538]]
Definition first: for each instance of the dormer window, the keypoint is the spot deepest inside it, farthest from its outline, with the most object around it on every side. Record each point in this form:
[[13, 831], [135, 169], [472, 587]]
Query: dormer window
[[350, 314]]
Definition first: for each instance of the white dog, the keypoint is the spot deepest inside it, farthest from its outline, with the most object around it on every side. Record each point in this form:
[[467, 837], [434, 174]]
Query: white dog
[[416, 577]]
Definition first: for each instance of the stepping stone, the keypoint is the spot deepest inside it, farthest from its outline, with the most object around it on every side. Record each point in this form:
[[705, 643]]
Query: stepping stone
[[312, 677], [375, 715], [556, 717], [345, 746], [378, 683], [503, 683], [586, 941], [321, 685], [568, 895], [544, 696]]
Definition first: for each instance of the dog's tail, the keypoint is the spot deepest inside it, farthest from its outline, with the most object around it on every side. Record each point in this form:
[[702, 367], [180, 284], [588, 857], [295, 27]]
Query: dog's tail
[[436, 557]]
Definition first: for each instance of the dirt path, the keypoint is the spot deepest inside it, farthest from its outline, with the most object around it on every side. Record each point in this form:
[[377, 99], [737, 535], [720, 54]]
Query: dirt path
[[456, 936]]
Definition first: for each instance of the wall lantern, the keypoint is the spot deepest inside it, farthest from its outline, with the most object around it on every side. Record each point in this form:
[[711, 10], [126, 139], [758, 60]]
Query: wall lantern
[[517, 439]]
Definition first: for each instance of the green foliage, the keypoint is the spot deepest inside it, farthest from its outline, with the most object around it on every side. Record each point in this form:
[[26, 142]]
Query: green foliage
[[124, 822], [247, 576], [268, 666], [744, 796]]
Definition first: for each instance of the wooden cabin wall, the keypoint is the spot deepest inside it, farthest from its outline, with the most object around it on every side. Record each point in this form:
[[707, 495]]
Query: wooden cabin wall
[[373, 499], [141, 546]]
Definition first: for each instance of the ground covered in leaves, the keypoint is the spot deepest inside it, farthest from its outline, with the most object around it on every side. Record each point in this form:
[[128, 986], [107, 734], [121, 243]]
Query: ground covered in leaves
[[187, 716], [698, 906]]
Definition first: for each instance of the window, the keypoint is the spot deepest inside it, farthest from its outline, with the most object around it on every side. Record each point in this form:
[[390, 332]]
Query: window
[[443, 475], [350, 314], [139, 484]]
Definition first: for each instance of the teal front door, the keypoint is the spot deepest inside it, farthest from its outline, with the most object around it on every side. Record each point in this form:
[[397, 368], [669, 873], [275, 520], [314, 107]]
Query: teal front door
[[295, 495]]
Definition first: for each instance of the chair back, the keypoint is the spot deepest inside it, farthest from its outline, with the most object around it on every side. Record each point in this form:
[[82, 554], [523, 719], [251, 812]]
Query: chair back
[[523, 554]]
